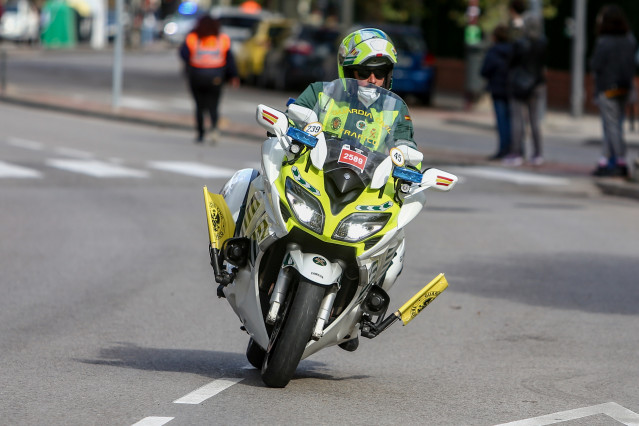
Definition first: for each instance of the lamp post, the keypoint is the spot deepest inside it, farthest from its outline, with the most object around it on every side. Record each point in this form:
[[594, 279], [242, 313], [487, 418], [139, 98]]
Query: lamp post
[[578, 58]]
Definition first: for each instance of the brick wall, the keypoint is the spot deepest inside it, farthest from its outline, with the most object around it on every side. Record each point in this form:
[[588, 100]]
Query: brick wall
[[451, 78]]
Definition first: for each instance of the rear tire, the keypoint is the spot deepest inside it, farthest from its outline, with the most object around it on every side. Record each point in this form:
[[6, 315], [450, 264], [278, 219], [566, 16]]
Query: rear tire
[[288, 347]]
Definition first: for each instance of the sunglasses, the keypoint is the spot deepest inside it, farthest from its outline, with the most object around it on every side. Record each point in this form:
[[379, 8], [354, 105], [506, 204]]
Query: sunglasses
[[364, 73]]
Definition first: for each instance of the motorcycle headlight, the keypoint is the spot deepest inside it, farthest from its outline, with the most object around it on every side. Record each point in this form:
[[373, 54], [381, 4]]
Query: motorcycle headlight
[[358, 226], [306, 208]]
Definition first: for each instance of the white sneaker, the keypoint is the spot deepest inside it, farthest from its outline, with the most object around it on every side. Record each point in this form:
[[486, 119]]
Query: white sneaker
[[537, 161], [514, 161], [214, 137]]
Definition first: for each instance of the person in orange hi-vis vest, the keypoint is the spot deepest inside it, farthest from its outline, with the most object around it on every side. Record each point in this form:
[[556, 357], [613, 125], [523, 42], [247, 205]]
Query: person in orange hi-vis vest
[[209, 63]]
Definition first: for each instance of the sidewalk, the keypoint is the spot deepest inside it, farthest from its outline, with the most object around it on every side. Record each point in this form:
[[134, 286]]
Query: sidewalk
[[449, 111]]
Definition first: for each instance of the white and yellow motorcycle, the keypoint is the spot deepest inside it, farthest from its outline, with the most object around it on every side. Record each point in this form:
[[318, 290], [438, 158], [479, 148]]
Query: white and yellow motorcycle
[[306, 248]]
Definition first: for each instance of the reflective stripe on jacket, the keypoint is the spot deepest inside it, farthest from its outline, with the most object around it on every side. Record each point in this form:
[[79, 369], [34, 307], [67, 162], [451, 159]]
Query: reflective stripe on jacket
[[209, 52]]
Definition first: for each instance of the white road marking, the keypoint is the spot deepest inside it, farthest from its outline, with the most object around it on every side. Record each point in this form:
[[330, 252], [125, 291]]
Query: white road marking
[[71, 152], [610, 409], [192, 169], [26, 144], [153, 421], [96, 168], [207, 391], [13, 171], [515, 176]]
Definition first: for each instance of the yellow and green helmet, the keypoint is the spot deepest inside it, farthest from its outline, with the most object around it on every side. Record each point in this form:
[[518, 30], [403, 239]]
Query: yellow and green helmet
[[366, 48]]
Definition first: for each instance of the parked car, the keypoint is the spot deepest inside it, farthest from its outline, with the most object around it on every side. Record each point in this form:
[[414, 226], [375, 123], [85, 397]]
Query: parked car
[[20, 22], [251, 54], [414, 74], [239, 24], [308, 55]]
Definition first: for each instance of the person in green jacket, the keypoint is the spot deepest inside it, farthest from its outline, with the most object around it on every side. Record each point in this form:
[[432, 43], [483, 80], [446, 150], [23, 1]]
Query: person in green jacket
[[366, 55]]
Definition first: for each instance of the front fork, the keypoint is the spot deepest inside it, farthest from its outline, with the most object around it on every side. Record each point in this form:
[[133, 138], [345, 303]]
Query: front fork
[[307, 265], [278, 296]]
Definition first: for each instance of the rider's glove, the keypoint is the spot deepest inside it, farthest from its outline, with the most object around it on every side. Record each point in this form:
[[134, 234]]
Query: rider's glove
[[413, 157]]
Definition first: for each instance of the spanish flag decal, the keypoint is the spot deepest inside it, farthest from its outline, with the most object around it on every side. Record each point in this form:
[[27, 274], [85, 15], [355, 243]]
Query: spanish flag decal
[[407, 117], [271, 118], [443, 181]]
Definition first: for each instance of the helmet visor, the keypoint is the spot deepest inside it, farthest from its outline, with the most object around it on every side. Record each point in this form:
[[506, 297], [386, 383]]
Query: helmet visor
[[365, 72]]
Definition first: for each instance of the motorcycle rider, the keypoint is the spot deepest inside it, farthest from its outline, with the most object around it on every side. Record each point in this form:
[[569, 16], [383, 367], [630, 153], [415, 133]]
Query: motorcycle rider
[[367, 55]]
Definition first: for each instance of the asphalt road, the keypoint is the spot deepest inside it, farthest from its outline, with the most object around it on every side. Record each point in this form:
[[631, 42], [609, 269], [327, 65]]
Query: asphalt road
[[108, 312]]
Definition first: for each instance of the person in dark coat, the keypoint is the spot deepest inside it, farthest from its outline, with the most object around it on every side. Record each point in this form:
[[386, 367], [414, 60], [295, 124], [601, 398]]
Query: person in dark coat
[[495, 70], [209, 63], [526, 101], [613, 66]]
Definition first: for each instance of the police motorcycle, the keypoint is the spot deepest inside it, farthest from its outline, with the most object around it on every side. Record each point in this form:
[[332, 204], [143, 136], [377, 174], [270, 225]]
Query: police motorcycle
[[306, 248]]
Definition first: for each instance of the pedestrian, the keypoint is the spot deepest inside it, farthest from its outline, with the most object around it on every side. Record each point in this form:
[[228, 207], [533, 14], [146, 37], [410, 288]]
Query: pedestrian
[[527, 87], [613, 66], [209, 63], [495, 70], [516, 10]]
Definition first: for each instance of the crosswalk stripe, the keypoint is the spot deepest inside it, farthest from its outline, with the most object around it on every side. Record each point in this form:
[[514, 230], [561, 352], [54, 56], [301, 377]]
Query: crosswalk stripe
[[192, 169], [96, 168], [13, 171], [72, 152], [26, 144]]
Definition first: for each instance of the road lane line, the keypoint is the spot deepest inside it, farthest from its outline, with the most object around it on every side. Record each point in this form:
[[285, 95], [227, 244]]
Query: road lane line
[[26, 144], [13, 171], [610, 409], [153, 421], [192, 169], [71, 152], [207, 391], [518, 177], [96, 168]]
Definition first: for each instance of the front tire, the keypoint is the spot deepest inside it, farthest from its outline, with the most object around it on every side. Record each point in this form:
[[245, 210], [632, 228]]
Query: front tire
[[288, 347]]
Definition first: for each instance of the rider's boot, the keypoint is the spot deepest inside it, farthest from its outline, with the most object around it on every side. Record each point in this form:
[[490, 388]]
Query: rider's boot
[[350, 345]]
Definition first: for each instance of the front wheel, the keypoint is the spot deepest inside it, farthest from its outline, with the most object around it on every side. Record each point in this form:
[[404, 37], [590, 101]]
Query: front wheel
[[286, 350]]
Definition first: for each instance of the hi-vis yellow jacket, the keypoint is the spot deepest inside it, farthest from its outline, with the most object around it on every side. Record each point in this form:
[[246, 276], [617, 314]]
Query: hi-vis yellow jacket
[[366, 125]]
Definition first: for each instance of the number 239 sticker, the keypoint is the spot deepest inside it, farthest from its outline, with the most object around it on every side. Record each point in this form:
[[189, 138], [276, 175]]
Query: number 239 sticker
[[314, 128], [353, 158], [397, 156]]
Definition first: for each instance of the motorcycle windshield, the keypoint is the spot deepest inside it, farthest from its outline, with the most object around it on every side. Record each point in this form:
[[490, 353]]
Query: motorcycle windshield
[[359, 121]]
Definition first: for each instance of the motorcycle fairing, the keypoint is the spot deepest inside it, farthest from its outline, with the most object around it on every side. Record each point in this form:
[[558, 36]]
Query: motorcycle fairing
[[315, 178], [243, 296]]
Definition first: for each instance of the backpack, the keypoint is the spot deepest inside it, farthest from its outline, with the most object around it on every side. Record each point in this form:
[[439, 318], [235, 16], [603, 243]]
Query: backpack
[[522, 82]]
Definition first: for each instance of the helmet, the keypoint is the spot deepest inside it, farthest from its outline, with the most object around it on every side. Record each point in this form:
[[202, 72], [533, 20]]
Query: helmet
[[369, 48]]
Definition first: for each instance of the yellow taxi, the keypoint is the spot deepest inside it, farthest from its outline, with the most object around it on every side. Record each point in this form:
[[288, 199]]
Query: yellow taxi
[[268, 33]]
